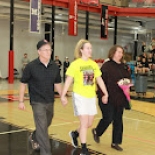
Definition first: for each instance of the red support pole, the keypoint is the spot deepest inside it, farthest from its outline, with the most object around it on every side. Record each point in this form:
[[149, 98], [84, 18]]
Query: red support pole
[[11, 67]]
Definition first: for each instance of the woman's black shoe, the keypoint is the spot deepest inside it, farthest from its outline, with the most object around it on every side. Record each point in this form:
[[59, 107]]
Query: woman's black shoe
[[116, 147], [96, 137]]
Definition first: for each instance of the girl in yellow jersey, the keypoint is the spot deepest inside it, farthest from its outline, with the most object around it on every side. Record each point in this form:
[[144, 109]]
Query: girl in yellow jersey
[[85, 73]]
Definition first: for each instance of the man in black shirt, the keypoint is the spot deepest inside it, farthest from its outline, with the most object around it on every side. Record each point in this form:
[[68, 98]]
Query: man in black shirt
[[41, 75], [65, 66], [58, 62], [143, 46]]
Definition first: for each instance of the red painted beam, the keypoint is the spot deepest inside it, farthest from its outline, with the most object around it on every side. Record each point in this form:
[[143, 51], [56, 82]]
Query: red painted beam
[[142, 12], [136, 15], [89, 8], [64, 3], [113, 10], [136, 12], [59, 3]]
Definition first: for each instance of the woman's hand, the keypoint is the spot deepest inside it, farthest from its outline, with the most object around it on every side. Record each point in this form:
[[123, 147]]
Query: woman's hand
[[105, 99]]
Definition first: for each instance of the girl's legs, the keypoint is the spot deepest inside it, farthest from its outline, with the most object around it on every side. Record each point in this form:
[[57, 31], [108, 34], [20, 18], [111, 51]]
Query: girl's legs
[[85, 122]]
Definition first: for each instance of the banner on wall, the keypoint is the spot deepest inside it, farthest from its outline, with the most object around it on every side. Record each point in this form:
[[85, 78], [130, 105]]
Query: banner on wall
[[35, 16], [89, 2], [72, 18], [104, 22]]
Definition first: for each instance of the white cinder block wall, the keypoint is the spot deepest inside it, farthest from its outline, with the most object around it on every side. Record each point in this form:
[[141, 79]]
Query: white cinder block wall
[[25, 42]]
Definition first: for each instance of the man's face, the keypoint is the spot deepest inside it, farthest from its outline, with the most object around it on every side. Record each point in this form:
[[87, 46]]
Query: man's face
[[45, 52]]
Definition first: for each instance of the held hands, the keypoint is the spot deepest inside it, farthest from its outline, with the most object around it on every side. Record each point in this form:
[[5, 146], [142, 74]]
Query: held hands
[[105, 99], [64, 100]]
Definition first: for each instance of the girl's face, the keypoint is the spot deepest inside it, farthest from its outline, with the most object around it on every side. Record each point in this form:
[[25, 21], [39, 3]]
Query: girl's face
[[86, 51], [118, 54]]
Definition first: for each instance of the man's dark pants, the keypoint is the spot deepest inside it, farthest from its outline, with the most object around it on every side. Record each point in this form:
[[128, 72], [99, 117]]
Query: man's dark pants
[[43, 114]]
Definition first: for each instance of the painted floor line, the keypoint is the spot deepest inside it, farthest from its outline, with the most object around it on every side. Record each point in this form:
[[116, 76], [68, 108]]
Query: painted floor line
[[139, 120], [12, 131]]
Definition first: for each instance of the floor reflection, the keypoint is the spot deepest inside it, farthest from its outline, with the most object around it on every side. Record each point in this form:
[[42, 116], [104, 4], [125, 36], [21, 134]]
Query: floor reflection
[[6, 127], [14, 141]]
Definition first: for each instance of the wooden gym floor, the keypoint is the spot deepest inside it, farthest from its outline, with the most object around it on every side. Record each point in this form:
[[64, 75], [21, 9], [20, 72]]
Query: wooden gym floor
[[16, 125]]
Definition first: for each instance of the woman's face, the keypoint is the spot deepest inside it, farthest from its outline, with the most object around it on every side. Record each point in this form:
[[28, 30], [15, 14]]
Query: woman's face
[[118, 54], [87, 50]]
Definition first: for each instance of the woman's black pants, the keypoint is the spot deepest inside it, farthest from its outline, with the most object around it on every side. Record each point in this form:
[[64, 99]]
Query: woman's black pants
[[111, 114]]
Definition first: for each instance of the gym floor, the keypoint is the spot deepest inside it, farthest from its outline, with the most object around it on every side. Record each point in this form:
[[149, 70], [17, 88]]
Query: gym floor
[[16, 125]]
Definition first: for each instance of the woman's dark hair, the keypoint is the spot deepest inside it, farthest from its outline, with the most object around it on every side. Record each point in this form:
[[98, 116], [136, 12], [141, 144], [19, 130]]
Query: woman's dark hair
[[113, 50]]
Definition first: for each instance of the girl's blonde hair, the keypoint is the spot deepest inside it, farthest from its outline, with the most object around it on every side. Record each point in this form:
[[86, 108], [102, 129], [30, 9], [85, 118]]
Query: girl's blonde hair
[[78, 47], [113, 50]]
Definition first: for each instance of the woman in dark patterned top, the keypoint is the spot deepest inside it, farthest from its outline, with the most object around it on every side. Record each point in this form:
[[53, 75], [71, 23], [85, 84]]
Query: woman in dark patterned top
[[112, 112], [151, 61]]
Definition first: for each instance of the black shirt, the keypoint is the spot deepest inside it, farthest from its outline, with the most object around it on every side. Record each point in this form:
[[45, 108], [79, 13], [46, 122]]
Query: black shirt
[[41, 80], [150, 60], [138, 63], [58, 62], [153, 52], [112, 72], [145, 64], [143, 48], [66, 65]]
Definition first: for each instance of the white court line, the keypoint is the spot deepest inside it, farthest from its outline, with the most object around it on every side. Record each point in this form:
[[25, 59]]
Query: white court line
[[68, 123], [139, 120], [62, 124], [31, 128], [12, 131], [133, 119]]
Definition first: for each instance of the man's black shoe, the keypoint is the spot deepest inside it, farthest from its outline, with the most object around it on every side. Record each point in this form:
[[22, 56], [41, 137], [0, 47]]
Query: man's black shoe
[[35, 145]]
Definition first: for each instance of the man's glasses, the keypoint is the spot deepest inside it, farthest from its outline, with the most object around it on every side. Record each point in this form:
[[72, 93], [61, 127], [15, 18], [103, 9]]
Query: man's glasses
[[45, 50]]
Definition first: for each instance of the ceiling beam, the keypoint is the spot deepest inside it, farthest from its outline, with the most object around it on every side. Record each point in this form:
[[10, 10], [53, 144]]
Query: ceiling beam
[[144, 12], [113, 10]]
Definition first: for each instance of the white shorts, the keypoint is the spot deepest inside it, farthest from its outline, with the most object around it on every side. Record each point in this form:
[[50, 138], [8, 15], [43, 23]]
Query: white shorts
[[83, 105]]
